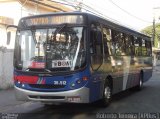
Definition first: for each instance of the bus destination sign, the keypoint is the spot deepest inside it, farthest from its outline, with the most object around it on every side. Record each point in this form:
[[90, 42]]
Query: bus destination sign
[[54, 20]]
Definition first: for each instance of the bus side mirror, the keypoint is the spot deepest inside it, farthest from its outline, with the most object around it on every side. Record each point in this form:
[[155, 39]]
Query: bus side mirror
[[9, 32], [8, 37], [91, 51]]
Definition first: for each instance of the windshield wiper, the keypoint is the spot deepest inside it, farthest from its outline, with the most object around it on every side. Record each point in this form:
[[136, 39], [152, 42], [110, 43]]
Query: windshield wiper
[[33, 34], [47, 70], [59, 29], [31, 69]]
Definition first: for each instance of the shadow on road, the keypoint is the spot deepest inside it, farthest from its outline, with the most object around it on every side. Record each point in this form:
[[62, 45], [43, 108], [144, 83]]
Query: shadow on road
[[62, 111], [77, 111], [125, 94]]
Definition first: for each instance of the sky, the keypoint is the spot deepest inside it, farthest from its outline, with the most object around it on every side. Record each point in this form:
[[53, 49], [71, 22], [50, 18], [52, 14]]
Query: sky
[[136, 14]]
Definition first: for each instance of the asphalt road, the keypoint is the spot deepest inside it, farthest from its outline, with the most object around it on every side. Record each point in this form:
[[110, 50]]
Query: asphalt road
[[128, 104]]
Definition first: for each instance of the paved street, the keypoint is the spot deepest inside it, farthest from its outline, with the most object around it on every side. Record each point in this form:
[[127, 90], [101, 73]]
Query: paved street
[[146, 100]]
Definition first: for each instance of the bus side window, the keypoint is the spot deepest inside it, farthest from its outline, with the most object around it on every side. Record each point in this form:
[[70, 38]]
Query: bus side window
[[96, 42], [118, 42], [96, 48], [144, 48], [107, 41], [149, 48], [138, 47], [91, 42], [132, 46], [106, 50]]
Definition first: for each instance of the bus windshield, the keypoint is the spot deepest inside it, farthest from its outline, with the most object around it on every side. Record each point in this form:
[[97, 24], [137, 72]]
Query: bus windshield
[[56, 49]]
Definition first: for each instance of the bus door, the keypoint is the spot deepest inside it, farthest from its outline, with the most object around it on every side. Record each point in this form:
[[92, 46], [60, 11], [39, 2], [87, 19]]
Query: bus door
[[96, 60]]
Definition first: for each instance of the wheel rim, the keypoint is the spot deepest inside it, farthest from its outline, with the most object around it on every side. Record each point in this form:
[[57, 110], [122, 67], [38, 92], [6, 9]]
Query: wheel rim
[[107, 93], [140, 83]]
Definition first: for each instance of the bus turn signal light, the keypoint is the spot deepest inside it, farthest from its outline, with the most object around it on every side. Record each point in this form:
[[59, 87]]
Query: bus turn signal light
[[85, 78]]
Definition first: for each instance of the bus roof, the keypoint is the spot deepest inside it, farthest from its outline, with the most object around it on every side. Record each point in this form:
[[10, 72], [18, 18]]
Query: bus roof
[[91, 17]]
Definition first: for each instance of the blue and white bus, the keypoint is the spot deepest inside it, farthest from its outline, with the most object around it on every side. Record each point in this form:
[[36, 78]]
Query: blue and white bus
[[78, 58]]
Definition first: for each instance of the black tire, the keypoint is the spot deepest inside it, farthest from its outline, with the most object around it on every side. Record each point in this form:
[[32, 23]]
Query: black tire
[[107, 95], [140, 84]]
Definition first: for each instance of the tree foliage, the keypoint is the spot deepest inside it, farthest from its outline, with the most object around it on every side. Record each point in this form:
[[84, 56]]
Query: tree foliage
[[149, 30]]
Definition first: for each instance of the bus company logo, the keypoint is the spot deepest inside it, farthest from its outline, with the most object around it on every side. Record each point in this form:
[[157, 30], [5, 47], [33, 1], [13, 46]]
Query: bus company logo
[[41, 80]]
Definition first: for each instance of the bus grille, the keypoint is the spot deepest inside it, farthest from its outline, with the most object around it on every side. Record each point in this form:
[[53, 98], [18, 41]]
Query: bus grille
[[46, 97], [46, 86]]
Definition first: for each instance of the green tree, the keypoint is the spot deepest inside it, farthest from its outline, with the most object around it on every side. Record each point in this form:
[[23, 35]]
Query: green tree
[[148, 31]]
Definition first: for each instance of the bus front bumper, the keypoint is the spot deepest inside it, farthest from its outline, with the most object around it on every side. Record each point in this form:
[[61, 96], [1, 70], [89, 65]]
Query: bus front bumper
[[80, 95]]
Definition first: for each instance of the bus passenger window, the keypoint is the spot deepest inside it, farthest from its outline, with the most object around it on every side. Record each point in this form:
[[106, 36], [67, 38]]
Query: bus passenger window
[[107, 41], [96, 48], [138, 47], [128, 44], [96, 42], [132, 46], [149, 48], [118, 40], [144, 49]]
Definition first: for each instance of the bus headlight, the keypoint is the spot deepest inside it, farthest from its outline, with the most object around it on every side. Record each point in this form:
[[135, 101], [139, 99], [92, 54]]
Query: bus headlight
[[79, 82], [73, 84], [23, 85]]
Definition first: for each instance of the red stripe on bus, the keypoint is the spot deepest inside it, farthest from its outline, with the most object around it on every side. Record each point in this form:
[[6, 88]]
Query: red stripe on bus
[[26, 79]]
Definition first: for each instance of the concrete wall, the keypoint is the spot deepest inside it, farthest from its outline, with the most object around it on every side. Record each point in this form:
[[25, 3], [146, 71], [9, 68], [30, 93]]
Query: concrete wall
[[6, 68]]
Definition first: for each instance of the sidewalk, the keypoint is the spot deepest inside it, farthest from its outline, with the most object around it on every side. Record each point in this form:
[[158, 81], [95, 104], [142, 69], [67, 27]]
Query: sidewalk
[[8, 99], [156, 69]]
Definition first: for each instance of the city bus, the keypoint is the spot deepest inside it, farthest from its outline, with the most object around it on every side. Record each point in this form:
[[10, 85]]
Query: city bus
[[76, 57]]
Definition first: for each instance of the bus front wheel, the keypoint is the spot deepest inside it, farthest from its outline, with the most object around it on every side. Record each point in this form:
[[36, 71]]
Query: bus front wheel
[[107, 95]]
